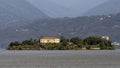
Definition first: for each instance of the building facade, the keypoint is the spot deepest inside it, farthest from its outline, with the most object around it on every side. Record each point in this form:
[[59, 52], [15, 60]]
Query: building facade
[[49, 40], [106, 37]]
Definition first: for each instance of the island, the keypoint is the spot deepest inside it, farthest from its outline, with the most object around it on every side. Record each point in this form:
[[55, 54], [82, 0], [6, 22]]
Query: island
[[62, 43]]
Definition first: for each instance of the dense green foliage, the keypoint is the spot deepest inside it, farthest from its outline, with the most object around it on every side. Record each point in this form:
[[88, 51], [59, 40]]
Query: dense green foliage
[[95, 41], [76, 43]]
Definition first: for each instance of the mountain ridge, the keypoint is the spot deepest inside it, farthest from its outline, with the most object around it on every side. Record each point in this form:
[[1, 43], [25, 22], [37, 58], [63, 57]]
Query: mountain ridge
[[109, 7], [17, 12], [65, 8], [84, 26]]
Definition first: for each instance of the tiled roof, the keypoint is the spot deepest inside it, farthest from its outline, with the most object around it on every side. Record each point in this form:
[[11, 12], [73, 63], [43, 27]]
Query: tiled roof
[[49, 38]]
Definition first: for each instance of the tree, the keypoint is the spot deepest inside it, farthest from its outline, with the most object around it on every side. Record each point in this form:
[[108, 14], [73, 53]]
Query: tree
[[64, 41], [106, 44], [59, 47], [28, 42], [11, 44], [16, 43], [102, 45], [77, 41], [25, 42], [92, 40]]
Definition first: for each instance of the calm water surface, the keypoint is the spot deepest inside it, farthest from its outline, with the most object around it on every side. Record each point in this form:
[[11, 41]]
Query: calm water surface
[[60, 59]]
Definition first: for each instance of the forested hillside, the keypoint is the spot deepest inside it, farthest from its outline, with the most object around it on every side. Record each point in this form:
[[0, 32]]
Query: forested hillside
[[68, 27], [18, 12]]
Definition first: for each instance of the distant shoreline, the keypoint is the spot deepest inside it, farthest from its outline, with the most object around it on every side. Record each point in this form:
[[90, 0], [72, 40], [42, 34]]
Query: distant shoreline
[[62, 43]]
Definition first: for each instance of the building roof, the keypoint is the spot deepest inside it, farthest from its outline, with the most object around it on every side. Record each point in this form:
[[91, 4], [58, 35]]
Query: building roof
[[49, 38]]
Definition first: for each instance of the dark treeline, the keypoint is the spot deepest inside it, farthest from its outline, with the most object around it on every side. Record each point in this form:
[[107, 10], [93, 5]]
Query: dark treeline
[[75, 43]]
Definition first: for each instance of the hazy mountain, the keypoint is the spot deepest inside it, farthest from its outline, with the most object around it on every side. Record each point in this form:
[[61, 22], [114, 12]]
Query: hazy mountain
[[111, 6], [17, 12], [68, 27], [65, 8]]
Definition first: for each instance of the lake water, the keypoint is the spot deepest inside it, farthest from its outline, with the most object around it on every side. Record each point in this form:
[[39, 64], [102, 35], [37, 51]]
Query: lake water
[[60, 59]]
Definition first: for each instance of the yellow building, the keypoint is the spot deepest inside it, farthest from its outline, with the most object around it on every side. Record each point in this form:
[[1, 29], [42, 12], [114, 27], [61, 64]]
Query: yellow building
[[49, 40]]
